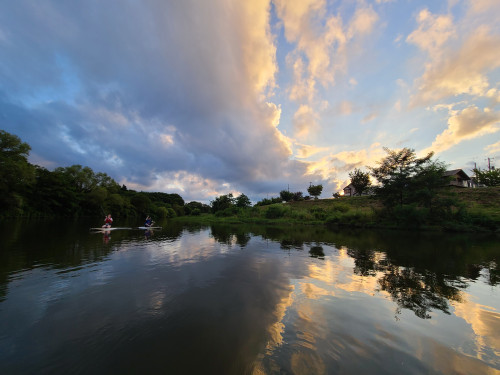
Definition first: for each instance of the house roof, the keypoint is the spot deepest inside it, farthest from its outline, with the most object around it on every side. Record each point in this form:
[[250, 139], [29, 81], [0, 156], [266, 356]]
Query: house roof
[[454, 172]]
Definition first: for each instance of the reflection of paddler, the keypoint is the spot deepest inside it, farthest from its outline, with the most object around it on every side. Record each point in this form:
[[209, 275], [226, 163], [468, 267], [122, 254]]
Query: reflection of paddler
[[106, 237]]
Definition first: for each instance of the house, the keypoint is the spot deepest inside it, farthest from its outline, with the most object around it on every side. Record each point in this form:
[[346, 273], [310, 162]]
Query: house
[[349, 191], [457, 177]]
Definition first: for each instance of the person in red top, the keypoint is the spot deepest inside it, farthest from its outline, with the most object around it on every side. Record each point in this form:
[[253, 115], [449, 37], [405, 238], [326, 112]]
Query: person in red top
[[108, 220]]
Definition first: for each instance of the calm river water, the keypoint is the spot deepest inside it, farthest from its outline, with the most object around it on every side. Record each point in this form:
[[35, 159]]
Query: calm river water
[[246, 300]]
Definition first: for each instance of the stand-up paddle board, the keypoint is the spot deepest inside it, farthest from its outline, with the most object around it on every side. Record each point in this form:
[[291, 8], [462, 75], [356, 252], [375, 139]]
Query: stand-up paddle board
[[148, 227], [107, 229]]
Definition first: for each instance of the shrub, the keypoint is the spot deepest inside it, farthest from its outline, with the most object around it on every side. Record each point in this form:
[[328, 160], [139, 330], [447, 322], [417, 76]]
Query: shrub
[[341, 207], [352, 218], [318, 213], [333, 218], [410, 215], [479, 219], [171, 213], [275, 211], [300, 215], [227, 212], [161, 212]]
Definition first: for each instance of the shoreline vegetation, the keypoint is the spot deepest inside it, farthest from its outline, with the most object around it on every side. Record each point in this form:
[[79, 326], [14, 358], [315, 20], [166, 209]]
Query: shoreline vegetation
[[411, 194], [469, 210]]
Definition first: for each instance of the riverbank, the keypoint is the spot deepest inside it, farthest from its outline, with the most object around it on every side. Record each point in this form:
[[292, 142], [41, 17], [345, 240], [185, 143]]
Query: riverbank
[[455, 209]]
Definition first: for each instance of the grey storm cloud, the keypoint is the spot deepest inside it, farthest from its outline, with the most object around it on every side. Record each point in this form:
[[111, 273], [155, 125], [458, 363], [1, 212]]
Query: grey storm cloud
[[135, 89]]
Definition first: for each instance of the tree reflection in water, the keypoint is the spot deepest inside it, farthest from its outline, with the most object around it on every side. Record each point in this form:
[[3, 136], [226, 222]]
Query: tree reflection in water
[[317, 252], [404, 263], [418, 292], [228, 235], [421, 272]]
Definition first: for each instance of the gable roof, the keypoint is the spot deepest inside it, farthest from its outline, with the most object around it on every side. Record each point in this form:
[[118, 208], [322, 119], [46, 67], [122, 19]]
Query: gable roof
[[454, 172]]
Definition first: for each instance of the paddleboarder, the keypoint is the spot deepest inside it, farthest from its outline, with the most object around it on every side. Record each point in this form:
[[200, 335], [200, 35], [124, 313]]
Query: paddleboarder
[[108, 220], [149, 222]]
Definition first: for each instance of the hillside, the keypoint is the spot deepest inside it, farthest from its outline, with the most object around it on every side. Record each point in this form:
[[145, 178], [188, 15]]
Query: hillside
[[457, 210]]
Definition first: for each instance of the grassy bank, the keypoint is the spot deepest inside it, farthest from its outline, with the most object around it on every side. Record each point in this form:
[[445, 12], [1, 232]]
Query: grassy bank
[[454, 210]]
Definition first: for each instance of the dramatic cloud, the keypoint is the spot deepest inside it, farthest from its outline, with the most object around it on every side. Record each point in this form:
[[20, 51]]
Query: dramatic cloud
[[466, 124], [461, 72], [432, 33], [206, 98], [493, 148], [148, 90], [323, 47], [305, 121]]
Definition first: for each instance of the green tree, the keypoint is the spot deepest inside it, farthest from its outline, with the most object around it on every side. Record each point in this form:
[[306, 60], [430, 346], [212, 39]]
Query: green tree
[[243, 201], [141, 202], [395, 174], [286, 195], [94, 200], [16, 173], [83, 179], [360, 181], [51, 195], [116, 204], [488, 178], [315, 190], [105, 181], [426, 182], [171, 213], [193, 205], [161, 212], [222, 202]]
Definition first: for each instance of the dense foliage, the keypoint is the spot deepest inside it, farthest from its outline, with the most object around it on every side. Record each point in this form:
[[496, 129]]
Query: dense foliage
[[360, 181], [315, 190], [489, 178], [411, 193], [16, 174], [30, 190], [403, 178]]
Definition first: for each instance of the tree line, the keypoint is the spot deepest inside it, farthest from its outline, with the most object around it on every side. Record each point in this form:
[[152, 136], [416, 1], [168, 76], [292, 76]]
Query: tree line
[[32, 190]]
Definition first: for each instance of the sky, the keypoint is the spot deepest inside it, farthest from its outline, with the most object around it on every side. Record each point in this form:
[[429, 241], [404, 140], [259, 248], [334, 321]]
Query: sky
[[205, 98]]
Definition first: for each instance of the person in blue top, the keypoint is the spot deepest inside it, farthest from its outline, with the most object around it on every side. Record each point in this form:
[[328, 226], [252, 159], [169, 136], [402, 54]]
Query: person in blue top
[[149, 222]]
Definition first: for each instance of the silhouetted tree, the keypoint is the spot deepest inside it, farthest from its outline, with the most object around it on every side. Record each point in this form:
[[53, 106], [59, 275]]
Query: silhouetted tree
[[360, 181], [401, 174], [315, 190]]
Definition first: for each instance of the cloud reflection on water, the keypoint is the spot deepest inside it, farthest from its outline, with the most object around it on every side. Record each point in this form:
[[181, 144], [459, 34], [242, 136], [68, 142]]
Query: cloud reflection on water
[[266, 300]]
